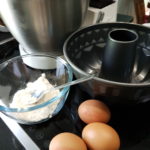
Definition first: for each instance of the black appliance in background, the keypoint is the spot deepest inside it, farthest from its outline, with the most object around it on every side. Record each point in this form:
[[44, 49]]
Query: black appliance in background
[[100, 3], [8, 46]]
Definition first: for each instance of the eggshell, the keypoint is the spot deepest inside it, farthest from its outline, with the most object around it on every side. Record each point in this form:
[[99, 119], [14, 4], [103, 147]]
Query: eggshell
[[94, 111], [100, 136], [67, 141]]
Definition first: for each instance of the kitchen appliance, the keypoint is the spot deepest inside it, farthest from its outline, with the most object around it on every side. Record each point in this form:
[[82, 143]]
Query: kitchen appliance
[[41, 26], [101, 11]]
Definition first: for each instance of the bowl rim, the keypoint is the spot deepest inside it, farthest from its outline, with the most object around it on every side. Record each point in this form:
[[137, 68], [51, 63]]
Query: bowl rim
[[105, 81], [61, 93]]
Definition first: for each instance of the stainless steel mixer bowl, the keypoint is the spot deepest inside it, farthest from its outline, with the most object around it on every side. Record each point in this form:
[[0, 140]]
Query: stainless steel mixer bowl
[[43, 25], [84, 52]]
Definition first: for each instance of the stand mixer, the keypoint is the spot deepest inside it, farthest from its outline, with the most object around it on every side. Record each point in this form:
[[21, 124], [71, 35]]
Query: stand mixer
[[41, 26]]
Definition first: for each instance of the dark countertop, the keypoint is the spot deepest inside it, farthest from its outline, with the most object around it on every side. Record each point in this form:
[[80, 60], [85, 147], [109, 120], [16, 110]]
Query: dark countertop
[[131, 122]]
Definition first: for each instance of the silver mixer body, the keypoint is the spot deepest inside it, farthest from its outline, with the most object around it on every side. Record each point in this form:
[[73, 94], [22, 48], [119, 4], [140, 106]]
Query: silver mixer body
[[43, 25]]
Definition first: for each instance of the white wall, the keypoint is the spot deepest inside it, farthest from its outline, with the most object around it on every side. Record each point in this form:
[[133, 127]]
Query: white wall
[[127, 7]]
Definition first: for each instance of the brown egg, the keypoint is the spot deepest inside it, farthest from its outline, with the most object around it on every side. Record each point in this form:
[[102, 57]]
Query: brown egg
[[94, 111], [67, 141], [100, 136]]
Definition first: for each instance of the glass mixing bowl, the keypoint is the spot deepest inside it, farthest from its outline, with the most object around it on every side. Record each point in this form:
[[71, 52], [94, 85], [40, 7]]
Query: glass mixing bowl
[[18, 72]]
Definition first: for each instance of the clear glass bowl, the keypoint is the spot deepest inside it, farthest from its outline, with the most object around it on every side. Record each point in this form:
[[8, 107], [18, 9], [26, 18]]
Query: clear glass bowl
[[17, 72]]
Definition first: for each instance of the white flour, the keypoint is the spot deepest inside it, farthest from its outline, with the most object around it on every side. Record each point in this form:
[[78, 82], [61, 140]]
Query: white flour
[[23, 99]]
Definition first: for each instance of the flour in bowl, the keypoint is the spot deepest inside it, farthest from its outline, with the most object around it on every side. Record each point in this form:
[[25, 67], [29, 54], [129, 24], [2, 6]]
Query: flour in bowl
[[24, 98]]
